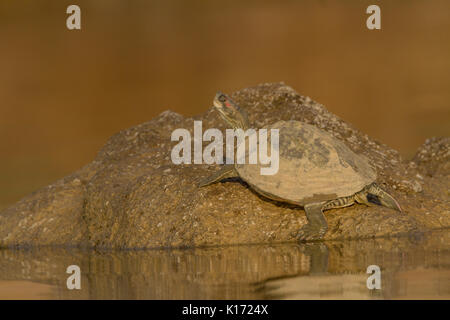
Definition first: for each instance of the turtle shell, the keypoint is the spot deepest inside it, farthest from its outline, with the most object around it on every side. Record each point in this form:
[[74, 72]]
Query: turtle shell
[[313, 166]]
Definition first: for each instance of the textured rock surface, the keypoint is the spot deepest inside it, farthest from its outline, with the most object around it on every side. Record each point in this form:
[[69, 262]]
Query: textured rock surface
[[132, 195]]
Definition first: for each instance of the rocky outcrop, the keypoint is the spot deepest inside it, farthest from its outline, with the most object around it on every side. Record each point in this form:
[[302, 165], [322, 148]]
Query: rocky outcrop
[[133, 196]]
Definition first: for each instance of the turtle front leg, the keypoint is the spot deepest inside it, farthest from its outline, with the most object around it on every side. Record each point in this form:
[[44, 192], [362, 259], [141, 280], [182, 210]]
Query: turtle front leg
[[317, 225], [227, 171]]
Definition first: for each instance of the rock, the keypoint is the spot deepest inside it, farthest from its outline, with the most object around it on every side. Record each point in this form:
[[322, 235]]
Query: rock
[[433, 157], [133, 196]]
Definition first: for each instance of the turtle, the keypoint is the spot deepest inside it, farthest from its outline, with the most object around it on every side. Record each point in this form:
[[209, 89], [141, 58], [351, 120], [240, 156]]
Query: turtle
[[316, 171]]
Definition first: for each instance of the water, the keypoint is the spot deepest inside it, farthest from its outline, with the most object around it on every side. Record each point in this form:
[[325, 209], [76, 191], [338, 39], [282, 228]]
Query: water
[[415, 267]]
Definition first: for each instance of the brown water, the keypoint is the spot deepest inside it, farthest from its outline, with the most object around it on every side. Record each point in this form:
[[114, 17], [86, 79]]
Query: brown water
[[63, 93], [415, 267]]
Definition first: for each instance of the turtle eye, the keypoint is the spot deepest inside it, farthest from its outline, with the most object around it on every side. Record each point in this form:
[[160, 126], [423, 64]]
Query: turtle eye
[[222, 98]]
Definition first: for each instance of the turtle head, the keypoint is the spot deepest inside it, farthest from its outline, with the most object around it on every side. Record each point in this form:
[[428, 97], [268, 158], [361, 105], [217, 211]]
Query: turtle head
[[230, 112], [374, 195]]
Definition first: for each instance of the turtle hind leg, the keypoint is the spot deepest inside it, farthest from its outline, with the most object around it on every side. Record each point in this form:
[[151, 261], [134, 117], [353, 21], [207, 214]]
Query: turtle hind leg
[[227, 171], [317, 225]]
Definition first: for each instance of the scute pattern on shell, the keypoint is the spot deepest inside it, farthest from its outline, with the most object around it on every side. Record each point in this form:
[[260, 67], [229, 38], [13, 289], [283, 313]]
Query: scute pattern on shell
[[313, 166]]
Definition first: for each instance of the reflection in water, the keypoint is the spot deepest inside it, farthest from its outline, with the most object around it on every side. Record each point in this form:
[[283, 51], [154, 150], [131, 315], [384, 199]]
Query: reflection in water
[[414, 267]]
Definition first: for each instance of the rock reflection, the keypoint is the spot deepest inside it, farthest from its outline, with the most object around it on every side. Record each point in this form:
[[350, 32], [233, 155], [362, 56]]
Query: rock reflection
[[415, 267]]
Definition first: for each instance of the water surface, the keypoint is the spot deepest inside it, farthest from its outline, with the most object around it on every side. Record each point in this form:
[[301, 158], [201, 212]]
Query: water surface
[[414, 267]]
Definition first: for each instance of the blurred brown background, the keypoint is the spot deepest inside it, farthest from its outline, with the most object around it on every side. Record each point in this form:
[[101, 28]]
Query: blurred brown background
[[63, 93]]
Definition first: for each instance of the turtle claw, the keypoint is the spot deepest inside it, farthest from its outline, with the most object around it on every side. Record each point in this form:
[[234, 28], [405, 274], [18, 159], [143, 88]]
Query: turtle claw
[[311, 233]]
